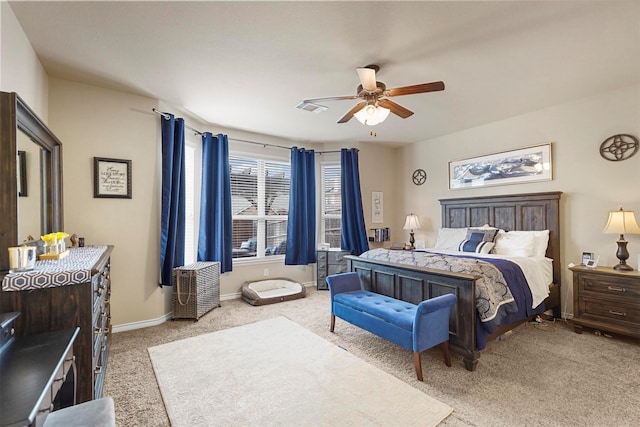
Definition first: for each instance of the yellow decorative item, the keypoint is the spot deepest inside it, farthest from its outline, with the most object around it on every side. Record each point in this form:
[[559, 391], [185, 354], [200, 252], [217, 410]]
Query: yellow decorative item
[[54, 243]]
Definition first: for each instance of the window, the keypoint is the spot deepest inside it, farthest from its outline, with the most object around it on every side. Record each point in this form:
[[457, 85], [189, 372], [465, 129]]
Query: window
[[190, 238], [260, 206], [331, 213]]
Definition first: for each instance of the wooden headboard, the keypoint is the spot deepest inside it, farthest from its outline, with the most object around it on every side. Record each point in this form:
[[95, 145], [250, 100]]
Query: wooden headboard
[[526, 212]]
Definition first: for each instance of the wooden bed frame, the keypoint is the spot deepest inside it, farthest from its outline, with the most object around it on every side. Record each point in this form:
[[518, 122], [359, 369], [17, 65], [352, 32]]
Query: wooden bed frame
[[528, 212]]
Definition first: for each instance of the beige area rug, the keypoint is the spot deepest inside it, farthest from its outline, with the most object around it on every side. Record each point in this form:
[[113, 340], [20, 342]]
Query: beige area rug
[[275, 372]]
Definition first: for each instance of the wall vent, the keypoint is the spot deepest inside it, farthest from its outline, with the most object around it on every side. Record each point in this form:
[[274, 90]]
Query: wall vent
[[308, 106]]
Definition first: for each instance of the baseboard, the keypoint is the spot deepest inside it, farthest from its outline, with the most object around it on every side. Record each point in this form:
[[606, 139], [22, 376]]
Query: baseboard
[[169, 316], [142, 324]]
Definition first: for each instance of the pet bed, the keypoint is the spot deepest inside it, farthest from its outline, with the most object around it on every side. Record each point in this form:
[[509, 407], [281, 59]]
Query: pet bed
[[270, 291]]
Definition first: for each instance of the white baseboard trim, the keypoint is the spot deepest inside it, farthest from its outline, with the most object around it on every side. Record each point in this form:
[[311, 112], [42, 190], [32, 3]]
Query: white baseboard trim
[[141, 324], [169, 316]]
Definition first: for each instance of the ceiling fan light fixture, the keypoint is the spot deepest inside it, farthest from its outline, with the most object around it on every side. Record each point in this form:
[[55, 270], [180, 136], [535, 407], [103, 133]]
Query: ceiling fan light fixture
[[372, 115]]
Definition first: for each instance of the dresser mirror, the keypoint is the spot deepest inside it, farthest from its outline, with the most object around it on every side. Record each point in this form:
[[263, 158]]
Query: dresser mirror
[[40, 210]]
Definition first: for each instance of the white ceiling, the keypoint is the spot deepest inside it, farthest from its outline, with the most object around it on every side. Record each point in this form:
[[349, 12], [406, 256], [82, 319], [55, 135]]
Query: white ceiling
[[246, 65]]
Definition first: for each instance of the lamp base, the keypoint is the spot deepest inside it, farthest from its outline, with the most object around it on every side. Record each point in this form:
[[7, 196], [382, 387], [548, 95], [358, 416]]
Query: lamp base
[[412, 240], [622, 254], [623, 267]]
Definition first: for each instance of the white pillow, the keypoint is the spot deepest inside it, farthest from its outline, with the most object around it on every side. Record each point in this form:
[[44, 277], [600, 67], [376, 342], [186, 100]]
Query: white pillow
[[450, 238], [540, 241], [514, 243]]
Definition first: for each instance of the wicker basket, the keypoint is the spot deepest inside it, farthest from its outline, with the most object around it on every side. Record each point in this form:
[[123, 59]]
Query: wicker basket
[[196, 289]]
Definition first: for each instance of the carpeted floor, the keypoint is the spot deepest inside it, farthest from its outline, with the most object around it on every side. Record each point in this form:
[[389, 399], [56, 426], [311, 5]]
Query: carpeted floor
[[536, 376], [274, 372]]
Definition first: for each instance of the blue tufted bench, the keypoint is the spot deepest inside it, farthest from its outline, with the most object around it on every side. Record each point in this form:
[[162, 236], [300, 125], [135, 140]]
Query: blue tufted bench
[[414, 327]]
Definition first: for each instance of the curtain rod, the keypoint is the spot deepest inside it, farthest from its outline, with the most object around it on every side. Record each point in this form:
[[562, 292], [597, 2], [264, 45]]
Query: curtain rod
[[167, 115]]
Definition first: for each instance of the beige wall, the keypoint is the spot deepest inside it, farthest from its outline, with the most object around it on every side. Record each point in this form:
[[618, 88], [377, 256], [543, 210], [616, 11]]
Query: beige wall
[[591, 185], [20, 69], [96, 122]]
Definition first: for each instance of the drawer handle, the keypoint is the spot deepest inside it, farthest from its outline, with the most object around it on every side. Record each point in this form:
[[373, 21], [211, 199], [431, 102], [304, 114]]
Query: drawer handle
[[62, 378], [71, 359], [617, 313], [98, 370], [615, 288], [97, 331]]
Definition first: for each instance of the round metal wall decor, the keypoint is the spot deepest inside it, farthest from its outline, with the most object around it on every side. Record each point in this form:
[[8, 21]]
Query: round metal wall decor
[[619, 147], [419, 176]]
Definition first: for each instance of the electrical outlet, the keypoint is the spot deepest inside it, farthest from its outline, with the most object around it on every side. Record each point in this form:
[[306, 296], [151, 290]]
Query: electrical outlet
[[266, 272]]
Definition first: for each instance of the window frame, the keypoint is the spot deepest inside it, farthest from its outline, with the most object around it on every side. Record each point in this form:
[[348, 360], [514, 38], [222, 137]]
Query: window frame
[[261, 217], [324, 165]]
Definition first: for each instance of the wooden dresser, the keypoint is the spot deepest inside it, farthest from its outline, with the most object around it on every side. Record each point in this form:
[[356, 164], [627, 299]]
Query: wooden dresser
[[68, 293], [329, 261], [606, 299]]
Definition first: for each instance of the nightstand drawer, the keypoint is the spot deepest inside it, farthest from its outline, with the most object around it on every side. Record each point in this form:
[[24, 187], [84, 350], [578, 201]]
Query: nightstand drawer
[[336, 268], [607, 287], [611, 310], [337, 257]]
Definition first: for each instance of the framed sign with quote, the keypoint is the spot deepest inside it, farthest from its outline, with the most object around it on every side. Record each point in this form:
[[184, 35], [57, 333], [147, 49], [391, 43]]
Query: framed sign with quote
[[111, 178]]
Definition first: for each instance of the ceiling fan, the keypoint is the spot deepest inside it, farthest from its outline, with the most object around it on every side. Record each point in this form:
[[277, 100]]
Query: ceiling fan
[[376, 105]]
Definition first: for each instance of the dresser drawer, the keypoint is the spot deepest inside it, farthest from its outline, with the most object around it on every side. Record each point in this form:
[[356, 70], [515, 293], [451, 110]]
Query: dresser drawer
[[335, 257], [611, 310], [322, 265], [59, 377], [336, 268], [606, 287], [321, 256]]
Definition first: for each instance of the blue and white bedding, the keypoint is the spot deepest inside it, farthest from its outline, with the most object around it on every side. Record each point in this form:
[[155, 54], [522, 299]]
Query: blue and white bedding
[[504, 292]]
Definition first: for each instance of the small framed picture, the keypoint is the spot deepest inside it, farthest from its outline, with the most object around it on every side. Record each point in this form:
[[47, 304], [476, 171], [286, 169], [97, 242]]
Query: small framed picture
[[587, 257], [592, 263], [111, 178]]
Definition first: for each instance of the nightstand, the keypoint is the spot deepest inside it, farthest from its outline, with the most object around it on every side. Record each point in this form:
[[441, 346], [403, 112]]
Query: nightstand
[[606, 299], [330, 261]]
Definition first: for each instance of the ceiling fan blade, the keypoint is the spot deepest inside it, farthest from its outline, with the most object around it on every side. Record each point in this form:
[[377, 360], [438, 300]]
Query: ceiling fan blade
[[367, 78], [351, 112], [396, 109], [410, 90], [331, 98]]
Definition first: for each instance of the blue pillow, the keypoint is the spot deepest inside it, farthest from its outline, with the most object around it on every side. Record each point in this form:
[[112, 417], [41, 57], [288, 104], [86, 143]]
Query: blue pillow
[[476, 243]]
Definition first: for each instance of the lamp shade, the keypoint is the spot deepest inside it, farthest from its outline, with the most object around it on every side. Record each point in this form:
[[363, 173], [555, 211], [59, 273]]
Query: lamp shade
[[411, 223], [372, 115], [622, 222]]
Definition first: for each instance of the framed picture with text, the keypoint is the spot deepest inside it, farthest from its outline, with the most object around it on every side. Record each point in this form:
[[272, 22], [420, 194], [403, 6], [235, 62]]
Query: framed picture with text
[[111, 178]]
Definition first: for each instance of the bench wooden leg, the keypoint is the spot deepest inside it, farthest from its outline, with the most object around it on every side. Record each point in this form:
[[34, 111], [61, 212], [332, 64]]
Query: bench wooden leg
[[445, 352], [333, 322], [418, 364]]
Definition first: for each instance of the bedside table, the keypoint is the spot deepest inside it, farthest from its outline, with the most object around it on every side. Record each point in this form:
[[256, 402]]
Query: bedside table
[[606, 299], [330, 261]]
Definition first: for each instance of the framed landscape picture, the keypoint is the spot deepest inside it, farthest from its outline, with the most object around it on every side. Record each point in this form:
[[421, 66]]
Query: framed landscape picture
[[509, 167], [111, 178]]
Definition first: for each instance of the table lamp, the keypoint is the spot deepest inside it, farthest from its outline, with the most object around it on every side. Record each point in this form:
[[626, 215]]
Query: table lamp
[[412, 223], [622, 222]]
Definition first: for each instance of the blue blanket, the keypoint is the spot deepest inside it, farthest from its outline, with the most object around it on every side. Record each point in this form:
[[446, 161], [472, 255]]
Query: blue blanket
[[521, 293]]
